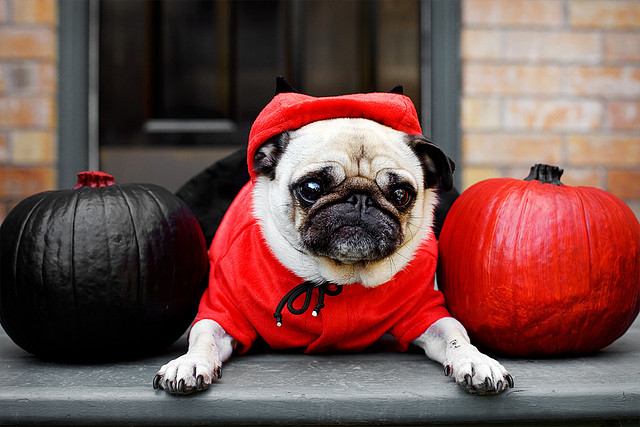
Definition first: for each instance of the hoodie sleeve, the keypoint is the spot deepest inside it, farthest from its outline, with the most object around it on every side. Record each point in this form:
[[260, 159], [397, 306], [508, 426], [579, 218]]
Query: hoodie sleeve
[[430, 308], [227, 276], [425, 304]]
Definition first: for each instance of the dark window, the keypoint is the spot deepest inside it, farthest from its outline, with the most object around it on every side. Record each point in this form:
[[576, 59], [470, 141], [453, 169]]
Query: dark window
[[192, 75]]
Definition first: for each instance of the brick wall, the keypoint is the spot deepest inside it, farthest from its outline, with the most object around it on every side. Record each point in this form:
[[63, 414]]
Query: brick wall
[[553, 81], [28, 86]]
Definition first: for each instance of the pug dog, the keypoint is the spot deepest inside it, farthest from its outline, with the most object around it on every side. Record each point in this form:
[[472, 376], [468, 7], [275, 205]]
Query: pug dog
[[338, 214]]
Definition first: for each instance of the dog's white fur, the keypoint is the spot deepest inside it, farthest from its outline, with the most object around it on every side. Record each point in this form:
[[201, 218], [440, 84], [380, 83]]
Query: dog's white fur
[[446, 341]]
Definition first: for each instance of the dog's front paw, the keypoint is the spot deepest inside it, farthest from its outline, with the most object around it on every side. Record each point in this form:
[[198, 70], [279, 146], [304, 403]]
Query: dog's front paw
[[189, 373], [476, 372]]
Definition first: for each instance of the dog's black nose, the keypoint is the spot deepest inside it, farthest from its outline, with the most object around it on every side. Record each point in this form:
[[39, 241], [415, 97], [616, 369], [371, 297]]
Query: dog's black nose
[[360, 201]]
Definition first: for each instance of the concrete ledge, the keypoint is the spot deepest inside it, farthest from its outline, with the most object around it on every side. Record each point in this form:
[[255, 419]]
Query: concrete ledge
[[270, 388]]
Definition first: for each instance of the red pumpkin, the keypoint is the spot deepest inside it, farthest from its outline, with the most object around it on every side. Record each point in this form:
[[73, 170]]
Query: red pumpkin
[[102, 271], [533, 267]]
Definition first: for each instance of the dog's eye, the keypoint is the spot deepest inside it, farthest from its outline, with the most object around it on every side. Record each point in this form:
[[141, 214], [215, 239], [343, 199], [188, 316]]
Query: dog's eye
[[310, 191], [401, 197]]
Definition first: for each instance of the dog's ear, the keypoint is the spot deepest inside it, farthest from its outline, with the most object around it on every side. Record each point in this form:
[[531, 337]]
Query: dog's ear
[[283, 86], [267, 156], [438, 168], [397, 89]]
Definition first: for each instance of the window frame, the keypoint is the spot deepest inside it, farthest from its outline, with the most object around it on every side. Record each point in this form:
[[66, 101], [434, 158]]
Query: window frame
[[78, 145]]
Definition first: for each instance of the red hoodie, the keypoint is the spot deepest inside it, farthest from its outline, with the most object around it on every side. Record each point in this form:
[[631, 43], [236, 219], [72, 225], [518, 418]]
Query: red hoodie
[[247, 282]]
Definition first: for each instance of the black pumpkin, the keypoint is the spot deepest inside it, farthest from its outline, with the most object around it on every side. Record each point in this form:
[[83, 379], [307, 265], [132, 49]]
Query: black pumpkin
[[100, 272]]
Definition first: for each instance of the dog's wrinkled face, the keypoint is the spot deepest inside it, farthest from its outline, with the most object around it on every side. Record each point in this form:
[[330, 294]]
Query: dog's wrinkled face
[[347, 200]]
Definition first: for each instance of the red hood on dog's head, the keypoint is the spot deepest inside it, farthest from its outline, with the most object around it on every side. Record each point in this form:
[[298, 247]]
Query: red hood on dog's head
[[292, 110]]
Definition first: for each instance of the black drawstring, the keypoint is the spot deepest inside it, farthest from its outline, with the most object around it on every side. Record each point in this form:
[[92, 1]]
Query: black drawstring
[[306, 287]]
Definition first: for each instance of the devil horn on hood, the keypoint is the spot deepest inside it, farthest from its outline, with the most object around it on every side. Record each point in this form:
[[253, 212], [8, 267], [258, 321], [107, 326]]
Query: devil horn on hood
[[283, 86], [397, 89]]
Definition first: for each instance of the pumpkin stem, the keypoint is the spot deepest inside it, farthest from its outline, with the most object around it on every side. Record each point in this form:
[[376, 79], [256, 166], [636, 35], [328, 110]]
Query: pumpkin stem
[[94, 179], [545, 174]]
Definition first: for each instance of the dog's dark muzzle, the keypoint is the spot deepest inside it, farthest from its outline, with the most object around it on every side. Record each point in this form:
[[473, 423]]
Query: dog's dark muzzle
[[353, 230]]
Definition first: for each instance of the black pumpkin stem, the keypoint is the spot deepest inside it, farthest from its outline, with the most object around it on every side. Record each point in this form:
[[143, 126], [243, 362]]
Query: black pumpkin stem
[[94, 179], [546, 174]]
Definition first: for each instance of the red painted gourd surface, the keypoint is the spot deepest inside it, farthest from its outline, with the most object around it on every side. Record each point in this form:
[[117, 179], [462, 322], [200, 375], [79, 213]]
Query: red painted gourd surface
[[103, 271], [533, 267]]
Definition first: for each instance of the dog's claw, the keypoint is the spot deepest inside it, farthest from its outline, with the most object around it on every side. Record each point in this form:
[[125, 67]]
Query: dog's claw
[[218, 372], [181, 388], [467, 380], [156, 381], [488, 383], [510, 381], [200, 383], [447, 370]]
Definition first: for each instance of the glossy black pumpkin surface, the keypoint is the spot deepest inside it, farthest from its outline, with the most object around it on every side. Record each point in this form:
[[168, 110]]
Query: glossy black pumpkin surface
[[100, 273]]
